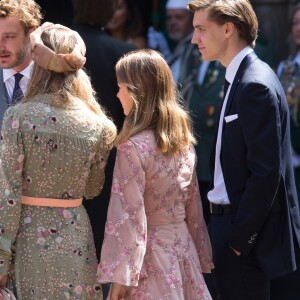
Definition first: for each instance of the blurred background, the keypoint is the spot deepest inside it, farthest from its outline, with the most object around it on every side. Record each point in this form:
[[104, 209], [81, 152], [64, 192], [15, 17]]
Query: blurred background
[[274, 42]]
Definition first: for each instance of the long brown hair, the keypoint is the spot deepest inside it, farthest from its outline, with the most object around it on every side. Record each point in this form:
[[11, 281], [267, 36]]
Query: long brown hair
[[155, 101]]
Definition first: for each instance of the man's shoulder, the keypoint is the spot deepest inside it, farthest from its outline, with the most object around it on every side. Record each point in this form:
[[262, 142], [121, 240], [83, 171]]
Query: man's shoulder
[[117, 45], [258, 70]]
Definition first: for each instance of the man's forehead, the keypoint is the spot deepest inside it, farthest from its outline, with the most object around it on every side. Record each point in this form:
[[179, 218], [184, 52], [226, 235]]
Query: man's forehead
[[11, 23], [10, 19]]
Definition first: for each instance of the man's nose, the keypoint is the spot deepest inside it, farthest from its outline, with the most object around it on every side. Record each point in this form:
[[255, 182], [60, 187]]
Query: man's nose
[[194, 39], [2, 44]]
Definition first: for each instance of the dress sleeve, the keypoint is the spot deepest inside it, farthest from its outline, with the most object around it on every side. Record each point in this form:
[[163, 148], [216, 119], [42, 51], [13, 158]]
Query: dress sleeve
[[11, 166], [197, 226], [124, 244], [96, 176]]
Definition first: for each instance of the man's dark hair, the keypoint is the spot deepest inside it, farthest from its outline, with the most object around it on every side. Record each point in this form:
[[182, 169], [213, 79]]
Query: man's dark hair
[[96, 12]]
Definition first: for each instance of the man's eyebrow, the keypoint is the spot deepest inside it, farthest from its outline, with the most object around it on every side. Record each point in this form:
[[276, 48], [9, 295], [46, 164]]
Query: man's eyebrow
[[198, 26], [9, 32]]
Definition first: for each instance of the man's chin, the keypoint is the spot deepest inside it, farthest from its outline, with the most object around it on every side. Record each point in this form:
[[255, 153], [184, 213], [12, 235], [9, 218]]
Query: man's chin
[[7, 65], [204, 57]]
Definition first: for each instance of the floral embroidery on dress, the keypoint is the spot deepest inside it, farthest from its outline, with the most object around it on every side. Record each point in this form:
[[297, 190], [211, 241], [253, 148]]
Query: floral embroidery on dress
[[156, 242], [50, 152], [51, 145]]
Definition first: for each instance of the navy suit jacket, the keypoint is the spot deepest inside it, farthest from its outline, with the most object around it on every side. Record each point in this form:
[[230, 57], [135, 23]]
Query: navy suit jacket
[[4, 100], [257, 168]]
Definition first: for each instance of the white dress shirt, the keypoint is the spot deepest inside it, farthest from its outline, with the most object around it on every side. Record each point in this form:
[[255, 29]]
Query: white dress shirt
[[218, 194], [9, 79]]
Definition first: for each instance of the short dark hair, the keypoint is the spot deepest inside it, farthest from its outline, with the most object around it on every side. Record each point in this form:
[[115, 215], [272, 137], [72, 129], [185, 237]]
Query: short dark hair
[[97, 12]]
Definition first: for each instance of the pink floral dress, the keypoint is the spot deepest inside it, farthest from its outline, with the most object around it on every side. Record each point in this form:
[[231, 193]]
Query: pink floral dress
[[156, 242]]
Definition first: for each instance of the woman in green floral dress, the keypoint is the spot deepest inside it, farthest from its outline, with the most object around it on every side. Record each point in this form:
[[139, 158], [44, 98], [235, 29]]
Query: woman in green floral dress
[[54, 146]]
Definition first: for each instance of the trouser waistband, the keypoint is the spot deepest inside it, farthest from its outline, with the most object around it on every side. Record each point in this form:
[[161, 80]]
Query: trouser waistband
[[220, 209]]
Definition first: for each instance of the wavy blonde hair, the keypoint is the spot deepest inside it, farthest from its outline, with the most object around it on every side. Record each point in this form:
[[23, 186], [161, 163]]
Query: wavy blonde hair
[[27, 11], [156, 103], [63, 88]]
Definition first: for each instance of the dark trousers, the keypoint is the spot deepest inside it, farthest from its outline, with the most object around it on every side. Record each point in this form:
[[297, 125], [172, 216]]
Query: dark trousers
[[236, 277], [105, 289], [288, 287]]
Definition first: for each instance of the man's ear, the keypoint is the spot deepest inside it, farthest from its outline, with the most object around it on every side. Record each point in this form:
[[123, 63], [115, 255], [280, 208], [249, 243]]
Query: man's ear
[[31, 29], [229, 29]]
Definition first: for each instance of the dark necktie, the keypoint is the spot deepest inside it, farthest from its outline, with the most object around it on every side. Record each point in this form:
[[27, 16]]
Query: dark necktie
[[17, 92], [225, 89]]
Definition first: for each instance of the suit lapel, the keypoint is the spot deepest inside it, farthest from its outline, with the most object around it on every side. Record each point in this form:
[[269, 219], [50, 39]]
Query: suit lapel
[[3, 91], [4, 101], [246, 62]]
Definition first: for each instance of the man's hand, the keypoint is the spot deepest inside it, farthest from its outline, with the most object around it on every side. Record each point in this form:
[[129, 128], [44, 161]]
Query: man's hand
[[236, 252], [117, 291]]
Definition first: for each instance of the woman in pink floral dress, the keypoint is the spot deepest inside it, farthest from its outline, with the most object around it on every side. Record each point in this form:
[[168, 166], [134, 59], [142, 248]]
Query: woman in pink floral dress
[[156, 243]]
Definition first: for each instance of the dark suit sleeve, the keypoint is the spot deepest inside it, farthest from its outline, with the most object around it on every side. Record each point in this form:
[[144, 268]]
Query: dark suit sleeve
[[259, 117]]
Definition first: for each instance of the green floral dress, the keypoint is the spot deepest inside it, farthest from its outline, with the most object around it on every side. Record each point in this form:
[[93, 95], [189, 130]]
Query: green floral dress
[[50, 152]]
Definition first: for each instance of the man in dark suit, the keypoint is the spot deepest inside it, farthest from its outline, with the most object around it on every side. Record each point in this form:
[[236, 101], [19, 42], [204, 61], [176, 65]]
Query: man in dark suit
[[254, 205], [17, 20], [102, 54]]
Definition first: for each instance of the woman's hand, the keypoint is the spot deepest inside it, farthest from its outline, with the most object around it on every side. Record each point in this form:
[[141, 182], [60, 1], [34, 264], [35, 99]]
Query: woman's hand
[[3, 280], [117, 291]]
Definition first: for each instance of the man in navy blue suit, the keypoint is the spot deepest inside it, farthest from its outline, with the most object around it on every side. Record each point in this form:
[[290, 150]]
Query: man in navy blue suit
[[255, 222]]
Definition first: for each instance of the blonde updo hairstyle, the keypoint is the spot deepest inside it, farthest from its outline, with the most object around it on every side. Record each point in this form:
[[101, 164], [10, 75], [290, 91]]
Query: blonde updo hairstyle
[[63, 87]]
